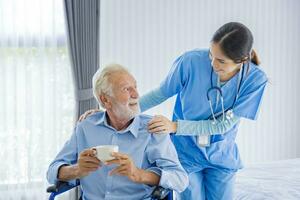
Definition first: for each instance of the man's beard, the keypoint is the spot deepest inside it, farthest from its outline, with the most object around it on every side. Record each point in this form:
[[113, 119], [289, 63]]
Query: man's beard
[[125, 112]]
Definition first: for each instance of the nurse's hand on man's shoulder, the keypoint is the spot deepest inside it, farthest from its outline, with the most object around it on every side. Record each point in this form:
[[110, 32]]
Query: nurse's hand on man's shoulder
[[160, 124], [88, 113]]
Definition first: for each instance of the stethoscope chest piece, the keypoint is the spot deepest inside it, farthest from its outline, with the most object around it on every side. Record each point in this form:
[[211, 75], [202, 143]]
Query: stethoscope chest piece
[[229, 114]]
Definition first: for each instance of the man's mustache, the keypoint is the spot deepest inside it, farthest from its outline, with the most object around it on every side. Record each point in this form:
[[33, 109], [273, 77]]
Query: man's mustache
[[133, 101]]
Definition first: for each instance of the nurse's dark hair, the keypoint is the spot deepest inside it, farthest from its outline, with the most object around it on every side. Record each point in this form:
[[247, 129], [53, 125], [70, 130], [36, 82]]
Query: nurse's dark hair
[[236, 41]]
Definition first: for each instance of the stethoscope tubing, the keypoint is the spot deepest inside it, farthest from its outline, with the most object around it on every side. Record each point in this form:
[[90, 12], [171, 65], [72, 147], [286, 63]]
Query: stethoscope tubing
[[219, 90]]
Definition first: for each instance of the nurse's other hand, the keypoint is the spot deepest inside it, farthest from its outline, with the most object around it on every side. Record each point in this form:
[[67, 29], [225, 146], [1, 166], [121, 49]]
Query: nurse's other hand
[[161, 124], [88, 113]]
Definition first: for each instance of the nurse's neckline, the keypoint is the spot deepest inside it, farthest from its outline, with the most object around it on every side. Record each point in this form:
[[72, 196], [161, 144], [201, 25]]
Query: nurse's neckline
[[228, 77]]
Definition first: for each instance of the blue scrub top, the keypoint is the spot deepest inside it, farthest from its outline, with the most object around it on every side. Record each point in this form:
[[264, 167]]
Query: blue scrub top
[[189, 77]]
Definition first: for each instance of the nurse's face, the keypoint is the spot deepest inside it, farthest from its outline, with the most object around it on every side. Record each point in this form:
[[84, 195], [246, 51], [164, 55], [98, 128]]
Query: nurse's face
[[222, 65]]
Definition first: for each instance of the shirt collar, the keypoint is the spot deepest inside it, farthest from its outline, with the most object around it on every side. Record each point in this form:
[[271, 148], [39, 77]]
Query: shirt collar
[[133, 128], [102, 120]]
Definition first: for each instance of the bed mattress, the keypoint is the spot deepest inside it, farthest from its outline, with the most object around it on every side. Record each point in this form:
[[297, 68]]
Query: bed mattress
[[273, 180]]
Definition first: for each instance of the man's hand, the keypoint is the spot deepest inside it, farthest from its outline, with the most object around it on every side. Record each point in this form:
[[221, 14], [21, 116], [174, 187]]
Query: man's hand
[[126, 167], [88, 113], [161, 124], [87, 162]]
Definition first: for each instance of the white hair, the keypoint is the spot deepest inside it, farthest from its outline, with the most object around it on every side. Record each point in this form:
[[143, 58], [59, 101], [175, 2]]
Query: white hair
[[101, 80]]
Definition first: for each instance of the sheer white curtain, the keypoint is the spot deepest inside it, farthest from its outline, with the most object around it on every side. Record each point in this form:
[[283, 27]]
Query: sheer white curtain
[[36, 94]]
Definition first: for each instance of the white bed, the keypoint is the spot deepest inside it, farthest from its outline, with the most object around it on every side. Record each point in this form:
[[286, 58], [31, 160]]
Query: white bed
[[278, 180]]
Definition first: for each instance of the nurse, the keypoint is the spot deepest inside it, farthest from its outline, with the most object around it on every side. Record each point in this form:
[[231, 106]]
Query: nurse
[[215, 88]]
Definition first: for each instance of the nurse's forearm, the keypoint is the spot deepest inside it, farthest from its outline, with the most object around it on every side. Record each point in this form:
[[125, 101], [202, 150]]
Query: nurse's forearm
[[151, 99], [205, 127]]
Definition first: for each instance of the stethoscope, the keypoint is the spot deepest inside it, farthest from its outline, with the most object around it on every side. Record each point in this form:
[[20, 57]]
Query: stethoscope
[[229, 112]]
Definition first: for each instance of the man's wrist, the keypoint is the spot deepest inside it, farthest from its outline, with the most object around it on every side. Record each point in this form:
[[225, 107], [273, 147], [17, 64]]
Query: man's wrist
[[138, 175], [146, 177], [67, 172], [77, 171]]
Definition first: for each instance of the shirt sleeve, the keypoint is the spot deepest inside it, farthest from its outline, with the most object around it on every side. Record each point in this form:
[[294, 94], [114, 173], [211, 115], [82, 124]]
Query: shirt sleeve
[[177, 77], [67, 156], [249, 101], [151, 99], [162, 154], [206, 127]]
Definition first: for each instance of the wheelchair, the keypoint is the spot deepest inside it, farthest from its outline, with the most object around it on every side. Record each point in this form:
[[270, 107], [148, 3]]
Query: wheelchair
[[159, 193]]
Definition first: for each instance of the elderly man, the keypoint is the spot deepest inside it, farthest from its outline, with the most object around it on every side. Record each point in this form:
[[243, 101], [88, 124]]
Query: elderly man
[[144, 160]]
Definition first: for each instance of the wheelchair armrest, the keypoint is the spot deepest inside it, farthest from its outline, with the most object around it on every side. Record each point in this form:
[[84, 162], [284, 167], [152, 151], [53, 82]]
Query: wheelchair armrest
[[60, 187], [160, 192]]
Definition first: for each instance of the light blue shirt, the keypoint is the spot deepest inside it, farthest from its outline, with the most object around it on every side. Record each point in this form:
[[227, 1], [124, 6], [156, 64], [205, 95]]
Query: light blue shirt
[[150, 152]]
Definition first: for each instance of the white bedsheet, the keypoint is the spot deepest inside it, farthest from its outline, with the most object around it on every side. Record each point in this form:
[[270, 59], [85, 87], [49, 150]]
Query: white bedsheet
[[278, 180]]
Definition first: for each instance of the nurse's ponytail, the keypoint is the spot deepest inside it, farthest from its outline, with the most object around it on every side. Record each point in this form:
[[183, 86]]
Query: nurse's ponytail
[[254, 57], [236, 41]]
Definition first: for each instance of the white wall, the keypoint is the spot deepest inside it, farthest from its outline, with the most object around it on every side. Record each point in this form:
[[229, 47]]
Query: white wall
[[146, 36]]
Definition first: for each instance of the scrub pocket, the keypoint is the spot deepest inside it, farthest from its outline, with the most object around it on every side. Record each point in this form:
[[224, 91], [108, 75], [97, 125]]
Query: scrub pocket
[[224, 154]]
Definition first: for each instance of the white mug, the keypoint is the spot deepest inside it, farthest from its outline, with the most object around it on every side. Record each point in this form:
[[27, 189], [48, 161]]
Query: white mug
[[103, 152]]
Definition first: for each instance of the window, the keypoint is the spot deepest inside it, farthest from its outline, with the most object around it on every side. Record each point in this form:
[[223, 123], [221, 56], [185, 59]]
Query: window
[[36, 94]]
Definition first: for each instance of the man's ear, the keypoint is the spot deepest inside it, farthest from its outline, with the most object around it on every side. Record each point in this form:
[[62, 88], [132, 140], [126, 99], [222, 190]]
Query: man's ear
[[105, 101]]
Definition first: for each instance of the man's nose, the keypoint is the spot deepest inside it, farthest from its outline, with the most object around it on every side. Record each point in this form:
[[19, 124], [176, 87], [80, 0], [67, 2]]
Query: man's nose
[[134, 93]]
